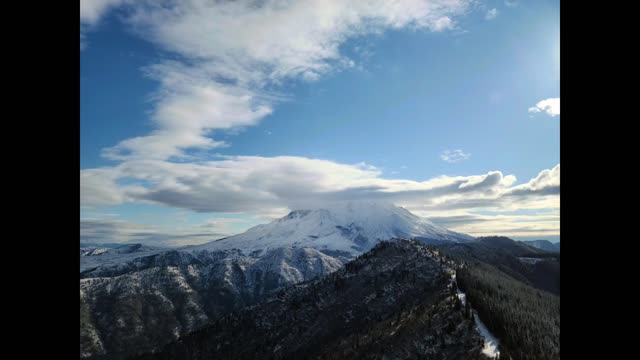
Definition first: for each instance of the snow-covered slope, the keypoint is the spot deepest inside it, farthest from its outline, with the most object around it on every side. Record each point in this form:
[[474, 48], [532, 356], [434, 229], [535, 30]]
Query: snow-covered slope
[[180, 292], [91, 257], [353, 227]]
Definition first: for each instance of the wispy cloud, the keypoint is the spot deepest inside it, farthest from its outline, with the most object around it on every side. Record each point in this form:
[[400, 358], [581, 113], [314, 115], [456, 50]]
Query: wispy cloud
[[91, 12], [511, 3], [256, 184], [120, 231], [103, 228], [499, 224], [233, 54], [491, 14], [550, 106], [271, 185], [454, 156]]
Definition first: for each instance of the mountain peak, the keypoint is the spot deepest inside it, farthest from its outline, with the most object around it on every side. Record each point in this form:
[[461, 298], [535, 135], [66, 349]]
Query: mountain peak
[[350, 226]]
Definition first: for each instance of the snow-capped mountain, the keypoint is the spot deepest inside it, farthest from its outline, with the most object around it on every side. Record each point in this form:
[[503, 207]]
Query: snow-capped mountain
[[352, 227], [187, 287]]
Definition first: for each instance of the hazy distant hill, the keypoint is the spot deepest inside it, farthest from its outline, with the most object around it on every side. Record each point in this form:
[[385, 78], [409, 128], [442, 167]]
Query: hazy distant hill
[[544, 245]]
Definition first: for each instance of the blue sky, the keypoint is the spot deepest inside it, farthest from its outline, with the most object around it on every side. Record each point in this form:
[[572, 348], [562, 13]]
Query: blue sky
[[376, 102]]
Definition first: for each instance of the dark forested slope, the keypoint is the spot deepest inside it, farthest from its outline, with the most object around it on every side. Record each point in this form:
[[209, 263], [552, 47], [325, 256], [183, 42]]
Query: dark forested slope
[[525, 319], [522, 262], [392, 302]]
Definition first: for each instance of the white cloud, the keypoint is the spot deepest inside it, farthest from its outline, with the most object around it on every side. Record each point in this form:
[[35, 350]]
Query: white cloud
[[98, 187], [257, 184], [92, 10], [511, 3], [232, 54], [539, 224], [119, 231], [547, 180], [269, 186], [550, 106], [491, 14], [453, 156]]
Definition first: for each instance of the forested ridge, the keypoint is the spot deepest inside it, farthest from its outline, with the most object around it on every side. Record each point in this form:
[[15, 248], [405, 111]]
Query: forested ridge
[[393, 302], [525, 319]]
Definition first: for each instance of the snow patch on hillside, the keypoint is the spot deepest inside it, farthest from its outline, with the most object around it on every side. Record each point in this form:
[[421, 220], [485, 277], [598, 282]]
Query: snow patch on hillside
[[491, 343], [530, 260]]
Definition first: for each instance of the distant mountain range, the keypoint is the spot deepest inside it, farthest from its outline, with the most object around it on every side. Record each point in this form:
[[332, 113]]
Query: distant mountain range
[[101, 245], [544, 245], [103, 255], [503, 243], [513, 258], [135, 298]]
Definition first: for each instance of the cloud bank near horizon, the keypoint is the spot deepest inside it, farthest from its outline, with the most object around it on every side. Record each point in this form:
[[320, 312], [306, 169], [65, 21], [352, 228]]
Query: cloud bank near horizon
[[255, 185]]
